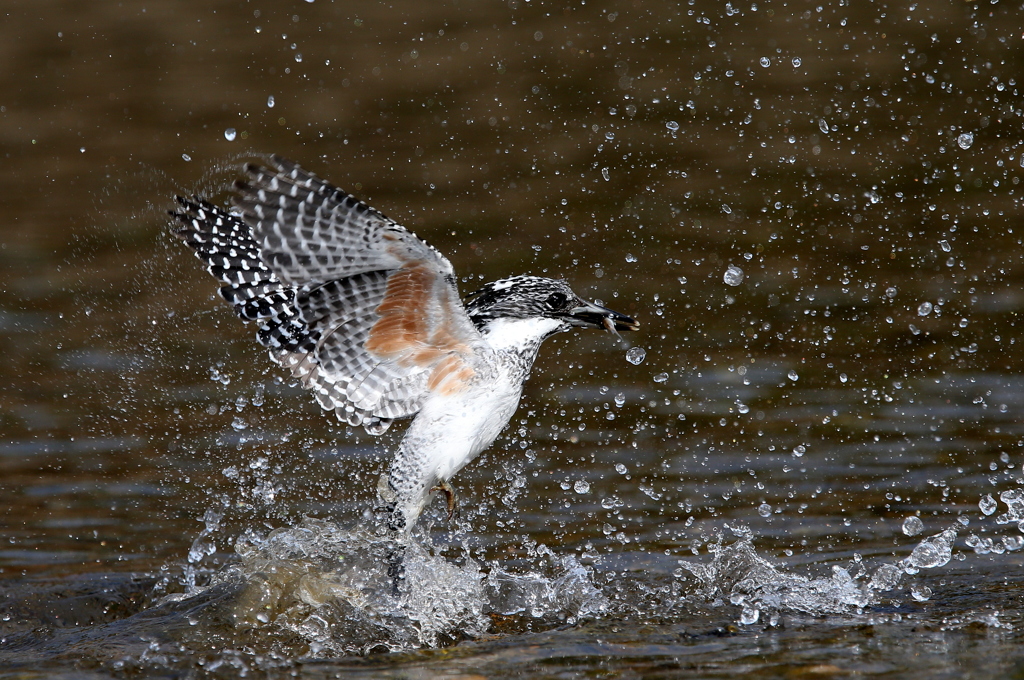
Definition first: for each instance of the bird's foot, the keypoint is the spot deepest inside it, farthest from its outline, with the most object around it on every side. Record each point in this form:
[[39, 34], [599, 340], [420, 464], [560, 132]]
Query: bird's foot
[[449, 494]]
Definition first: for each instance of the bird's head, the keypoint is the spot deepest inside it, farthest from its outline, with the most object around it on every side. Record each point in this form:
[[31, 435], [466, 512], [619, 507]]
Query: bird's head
[[549, 302]]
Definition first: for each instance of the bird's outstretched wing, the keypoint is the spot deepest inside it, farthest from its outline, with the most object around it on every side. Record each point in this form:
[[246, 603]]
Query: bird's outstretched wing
[[362, 311]]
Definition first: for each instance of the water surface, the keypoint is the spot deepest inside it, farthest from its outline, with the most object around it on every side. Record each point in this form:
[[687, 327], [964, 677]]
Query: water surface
[[812, 210]]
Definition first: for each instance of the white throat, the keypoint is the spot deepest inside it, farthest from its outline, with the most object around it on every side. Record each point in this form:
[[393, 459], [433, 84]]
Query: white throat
[[520, 335]]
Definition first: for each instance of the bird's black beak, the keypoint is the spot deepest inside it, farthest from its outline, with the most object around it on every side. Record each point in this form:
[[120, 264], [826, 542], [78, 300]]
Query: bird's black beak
[[589, 315]]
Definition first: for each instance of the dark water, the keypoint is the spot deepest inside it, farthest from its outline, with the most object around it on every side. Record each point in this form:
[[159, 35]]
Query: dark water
[[814, 211]]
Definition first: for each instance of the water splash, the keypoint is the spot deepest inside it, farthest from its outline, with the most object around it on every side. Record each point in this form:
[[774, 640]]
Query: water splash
[[322, 590], [1014, 499], [203, 546], [565, 597], [738, 574]]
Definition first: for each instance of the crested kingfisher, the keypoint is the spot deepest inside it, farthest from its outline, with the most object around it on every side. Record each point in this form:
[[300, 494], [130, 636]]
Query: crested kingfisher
[[368, 317]]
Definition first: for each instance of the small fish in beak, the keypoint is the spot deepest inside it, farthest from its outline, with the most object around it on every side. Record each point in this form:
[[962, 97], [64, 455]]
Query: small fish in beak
[[589, 315], [609, 326]]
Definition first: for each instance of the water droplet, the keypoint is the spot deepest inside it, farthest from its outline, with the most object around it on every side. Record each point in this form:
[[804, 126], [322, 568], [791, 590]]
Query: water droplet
[[799, 451], [661, 377], [298, 57], [913, 525], [636, 355], [630, 257], [885, 577], [606, 175], [185, 157], [987, 505], [82, 150], [793, 375], [924, 309], [797, 61], [733, 275], [581, 487], [920, 592], [890, 292], [766, 62], [620, 399], [965, 140], [270, 102], [843, 377], [230, 134], [931, 552], [823, 125], [944, 244], [672, 125], [621, 469], [764, 510]]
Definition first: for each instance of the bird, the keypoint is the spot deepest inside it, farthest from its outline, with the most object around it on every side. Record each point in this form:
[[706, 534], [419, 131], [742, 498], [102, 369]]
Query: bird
[[368, 317]]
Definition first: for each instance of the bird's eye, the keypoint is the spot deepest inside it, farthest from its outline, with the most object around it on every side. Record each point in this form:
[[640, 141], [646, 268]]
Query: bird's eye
[[556, 300]]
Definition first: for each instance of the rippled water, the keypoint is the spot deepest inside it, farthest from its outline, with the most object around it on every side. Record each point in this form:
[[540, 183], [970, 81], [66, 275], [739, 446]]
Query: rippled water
[[806, 463]]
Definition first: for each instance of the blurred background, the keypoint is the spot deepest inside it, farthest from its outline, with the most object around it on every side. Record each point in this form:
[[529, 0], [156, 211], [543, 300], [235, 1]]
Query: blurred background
[[813, 209]]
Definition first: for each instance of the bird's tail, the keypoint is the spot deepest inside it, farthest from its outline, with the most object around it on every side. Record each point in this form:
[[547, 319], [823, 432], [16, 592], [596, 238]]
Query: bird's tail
[[389, 510], [394, 519], [396, 568]]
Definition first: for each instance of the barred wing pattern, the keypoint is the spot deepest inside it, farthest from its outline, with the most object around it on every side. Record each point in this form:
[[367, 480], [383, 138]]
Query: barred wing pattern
[[363, 312]]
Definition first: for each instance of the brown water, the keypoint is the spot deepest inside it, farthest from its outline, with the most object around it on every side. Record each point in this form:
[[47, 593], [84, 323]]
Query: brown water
[[735, 504]]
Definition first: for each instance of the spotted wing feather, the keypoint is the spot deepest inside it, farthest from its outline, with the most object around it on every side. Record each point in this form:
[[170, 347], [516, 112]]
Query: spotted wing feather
[[309, 231], [363, 312], [224, 243]]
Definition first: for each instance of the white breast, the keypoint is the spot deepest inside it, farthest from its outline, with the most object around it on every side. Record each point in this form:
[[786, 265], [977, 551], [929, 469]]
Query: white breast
[[451, 431]]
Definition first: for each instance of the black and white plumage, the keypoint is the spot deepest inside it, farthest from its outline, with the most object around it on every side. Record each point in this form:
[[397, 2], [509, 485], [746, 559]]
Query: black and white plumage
[[368, 317]]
